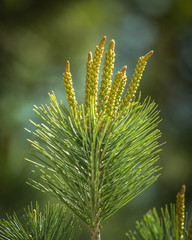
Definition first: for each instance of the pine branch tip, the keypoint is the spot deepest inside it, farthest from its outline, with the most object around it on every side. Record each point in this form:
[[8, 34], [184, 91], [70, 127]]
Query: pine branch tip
[[90, 58], [102, 43], [148, 55], [67, 67], [35, 215], [183, 189], [123, 69], [112, 45]]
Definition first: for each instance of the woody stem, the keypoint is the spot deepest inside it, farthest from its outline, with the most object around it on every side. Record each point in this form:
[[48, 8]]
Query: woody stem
[[95, 232]]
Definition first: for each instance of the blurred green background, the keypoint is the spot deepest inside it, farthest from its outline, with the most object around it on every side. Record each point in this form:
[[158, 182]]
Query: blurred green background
[[36, 39]]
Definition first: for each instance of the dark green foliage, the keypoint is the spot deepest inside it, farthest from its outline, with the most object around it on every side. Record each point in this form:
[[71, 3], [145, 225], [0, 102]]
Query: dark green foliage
[[96, 165], [51, 224]]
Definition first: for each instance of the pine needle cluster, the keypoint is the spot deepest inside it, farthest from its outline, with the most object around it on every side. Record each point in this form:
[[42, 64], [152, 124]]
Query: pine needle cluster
[[171, 225], [52, 224]]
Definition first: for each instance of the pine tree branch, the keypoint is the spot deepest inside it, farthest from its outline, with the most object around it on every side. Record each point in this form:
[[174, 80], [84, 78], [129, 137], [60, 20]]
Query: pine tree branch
[[51, 224], [97, 157], [171, 225]]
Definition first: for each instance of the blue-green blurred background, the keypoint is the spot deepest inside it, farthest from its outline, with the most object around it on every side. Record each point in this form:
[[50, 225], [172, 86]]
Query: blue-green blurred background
[[36, 39]]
